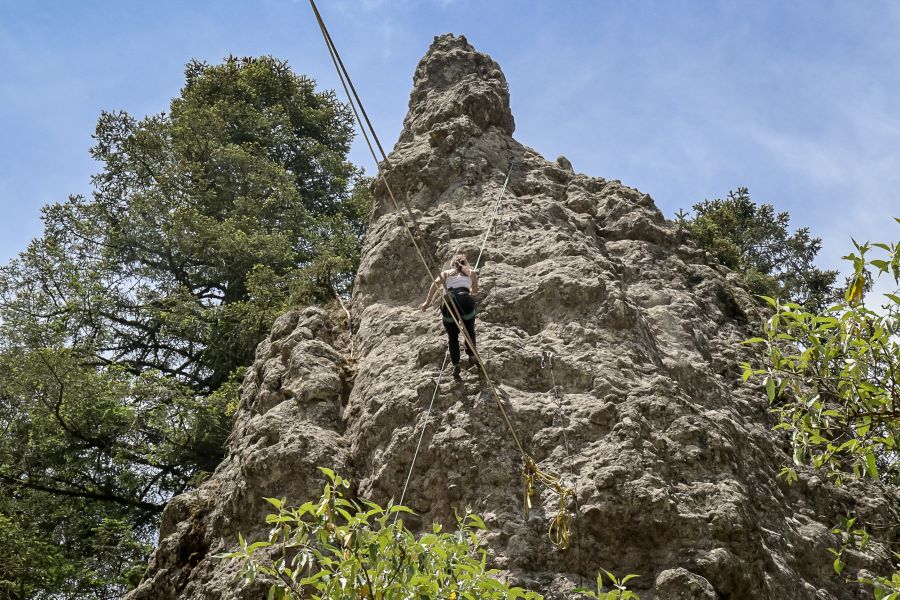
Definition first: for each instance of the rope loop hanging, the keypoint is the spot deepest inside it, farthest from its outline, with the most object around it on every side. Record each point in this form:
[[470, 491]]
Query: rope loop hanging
[[562, 532]]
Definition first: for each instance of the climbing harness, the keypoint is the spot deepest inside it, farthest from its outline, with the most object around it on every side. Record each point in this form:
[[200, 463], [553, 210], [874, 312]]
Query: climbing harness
[[531, 473], [451, 296]]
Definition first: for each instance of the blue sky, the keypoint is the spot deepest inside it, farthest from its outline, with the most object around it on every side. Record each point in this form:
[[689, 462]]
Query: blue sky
[[799, 101]]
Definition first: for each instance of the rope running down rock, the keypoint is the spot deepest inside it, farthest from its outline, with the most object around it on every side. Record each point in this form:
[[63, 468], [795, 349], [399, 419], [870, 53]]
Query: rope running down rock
[[412, 463], [530, 471], [494, 215]]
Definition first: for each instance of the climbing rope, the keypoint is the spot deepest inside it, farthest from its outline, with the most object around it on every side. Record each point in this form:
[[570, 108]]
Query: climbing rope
[[547, 361], [494, 215], [530, 471], [422, 434], [344, 76]]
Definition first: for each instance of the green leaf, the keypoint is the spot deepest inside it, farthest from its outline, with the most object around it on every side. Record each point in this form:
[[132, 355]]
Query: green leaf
[[256, 545], [855, 290], [871, 465], [275, 502], [838, 566], [477, 521], [400, 508], [432, 565], [770, 389]]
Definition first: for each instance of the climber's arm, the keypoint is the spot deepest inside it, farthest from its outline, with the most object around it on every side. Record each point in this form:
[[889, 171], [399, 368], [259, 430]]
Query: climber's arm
[[435, 286]]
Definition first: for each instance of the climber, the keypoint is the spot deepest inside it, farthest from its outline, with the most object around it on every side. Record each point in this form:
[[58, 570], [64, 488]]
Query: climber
[[459, 284]]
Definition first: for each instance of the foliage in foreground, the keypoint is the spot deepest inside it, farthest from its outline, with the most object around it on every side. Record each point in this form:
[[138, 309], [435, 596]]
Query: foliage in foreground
[[833, 380], [857, 538], [338, 549], [833, 377], [123, 329], [753, 240], [618, 591]]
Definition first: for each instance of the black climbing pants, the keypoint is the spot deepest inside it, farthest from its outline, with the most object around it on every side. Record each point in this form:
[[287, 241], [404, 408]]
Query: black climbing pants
[[465, 310]]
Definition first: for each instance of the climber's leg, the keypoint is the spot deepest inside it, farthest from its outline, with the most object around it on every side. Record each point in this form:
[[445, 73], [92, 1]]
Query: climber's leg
[[466, 304], [452, 338], [470, 328]]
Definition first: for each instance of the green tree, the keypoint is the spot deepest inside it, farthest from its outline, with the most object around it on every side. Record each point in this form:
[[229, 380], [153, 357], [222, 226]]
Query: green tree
[[833, 380], [123, 329], [53, 553], [754, 241]]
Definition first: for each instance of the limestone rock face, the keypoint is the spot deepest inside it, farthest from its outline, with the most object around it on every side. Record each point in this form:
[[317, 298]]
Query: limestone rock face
[[672, 457], [289, 421]]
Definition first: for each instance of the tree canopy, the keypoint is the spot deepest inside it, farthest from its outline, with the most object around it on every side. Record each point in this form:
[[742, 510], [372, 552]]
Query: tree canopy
[[124, 328], [753, 240]]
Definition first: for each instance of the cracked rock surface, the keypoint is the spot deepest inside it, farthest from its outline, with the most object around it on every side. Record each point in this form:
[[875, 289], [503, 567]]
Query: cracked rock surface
[[672, 456]]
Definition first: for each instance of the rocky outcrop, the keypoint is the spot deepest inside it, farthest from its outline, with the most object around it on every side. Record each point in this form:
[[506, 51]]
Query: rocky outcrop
[[289, 422], [672, 456]]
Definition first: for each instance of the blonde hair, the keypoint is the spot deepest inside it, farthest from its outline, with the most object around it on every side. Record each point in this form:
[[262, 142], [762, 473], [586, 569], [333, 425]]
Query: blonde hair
[[457, 260]]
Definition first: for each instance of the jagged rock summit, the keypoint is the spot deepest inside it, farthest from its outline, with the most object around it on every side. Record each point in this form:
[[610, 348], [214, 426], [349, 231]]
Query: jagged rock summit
[[672, 457]]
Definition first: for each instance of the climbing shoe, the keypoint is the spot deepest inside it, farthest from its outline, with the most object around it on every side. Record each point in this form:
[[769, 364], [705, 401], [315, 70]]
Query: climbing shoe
[[456, 371], [472, 364]]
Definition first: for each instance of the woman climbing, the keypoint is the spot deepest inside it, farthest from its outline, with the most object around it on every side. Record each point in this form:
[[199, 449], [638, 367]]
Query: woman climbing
[[460, 283]]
